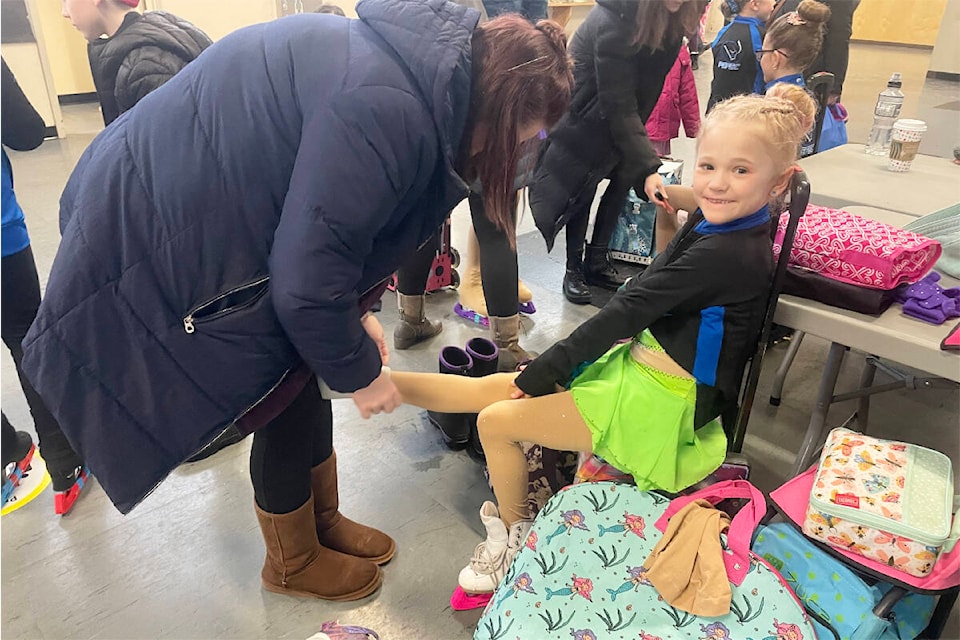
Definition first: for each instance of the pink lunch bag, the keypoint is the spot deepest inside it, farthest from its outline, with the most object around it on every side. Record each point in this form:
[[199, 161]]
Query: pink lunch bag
[[846, 247]]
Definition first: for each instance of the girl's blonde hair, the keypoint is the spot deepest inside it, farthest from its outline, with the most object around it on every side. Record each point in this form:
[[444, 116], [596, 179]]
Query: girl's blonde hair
[[782, 117], [799, 34]]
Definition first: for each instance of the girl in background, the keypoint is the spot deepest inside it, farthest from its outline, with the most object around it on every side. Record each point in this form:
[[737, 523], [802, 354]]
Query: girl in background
[[791, 45], [736, 69]]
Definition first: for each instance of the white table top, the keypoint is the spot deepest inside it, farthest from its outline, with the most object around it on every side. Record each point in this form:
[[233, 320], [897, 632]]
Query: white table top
[[846, 176], [890, 335]]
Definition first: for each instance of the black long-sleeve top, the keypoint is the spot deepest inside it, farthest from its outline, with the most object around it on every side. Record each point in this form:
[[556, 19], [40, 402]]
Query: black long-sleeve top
[[703, 299]]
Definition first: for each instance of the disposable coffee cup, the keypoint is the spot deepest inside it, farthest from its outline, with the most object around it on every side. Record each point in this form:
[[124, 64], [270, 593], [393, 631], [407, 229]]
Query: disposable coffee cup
[[904, 143]]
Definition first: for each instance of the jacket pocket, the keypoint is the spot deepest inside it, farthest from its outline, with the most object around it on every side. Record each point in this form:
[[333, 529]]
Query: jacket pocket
[[228, 302]]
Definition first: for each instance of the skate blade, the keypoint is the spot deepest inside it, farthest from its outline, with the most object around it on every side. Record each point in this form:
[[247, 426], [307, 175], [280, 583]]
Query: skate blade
[[63, 500], [12, 481], [526, 308], [471, 316]]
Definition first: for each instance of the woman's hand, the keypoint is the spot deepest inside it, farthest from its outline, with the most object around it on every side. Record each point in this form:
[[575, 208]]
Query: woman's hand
[[652, 185], [380, 396], [375, 330]]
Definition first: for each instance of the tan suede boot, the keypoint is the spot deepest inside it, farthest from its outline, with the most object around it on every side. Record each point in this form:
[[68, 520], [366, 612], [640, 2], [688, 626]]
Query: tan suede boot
[[504, 332], [414, 326], [336, 531], [297, 564]]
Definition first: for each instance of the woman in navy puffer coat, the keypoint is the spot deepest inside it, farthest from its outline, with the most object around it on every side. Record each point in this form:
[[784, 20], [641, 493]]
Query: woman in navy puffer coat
[[222, 241]]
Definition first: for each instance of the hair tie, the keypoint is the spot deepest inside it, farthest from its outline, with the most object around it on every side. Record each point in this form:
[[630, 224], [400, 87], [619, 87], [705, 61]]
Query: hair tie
[[793, 18]]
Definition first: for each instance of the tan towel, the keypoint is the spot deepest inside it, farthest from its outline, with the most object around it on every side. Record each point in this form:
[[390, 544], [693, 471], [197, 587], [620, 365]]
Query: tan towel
[[686, 566]]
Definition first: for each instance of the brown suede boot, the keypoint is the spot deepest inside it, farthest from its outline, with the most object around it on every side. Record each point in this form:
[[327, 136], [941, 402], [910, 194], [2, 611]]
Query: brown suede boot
[[338, 532], [297, 565]]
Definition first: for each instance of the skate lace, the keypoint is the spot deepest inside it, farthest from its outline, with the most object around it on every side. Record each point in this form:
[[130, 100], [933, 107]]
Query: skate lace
[[483, 562]]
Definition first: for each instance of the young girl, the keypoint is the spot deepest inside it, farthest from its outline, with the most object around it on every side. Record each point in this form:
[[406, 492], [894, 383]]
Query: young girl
[[735, 68], [678, 102], [649, 406], [792, 43]]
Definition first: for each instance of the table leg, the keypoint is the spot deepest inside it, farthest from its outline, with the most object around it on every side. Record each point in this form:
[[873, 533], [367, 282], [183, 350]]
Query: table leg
[[863, 406], [940, 615], [781, 376], [818, 419]]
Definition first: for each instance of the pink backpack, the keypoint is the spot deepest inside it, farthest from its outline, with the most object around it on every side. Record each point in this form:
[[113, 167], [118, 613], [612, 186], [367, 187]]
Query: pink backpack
[[845, 247]]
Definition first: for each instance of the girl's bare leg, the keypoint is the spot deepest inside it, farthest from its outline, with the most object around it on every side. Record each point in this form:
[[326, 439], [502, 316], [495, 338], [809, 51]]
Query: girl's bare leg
[[446, 393], [552, 421]]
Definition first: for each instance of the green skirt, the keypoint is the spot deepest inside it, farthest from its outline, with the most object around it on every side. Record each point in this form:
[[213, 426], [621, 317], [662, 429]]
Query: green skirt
[[641, 420]]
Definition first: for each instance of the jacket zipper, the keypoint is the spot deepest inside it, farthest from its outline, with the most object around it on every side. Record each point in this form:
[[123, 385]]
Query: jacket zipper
[[189, 321]]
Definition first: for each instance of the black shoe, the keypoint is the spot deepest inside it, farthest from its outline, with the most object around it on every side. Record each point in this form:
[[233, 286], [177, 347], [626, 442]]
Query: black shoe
[[18, 449], [224, 440], [575, 289], [694, 61], [598, 270]]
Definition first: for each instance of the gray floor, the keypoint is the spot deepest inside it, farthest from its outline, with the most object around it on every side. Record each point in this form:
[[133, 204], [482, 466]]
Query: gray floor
[[185, 563]]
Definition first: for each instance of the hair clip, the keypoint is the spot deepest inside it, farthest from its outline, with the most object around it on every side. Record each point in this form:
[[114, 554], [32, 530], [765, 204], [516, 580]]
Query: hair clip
[[793, 18], [523, 64]]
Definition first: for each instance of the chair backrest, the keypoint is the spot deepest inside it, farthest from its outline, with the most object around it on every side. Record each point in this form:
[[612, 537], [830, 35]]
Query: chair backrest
[[735, 420], [820, 84]]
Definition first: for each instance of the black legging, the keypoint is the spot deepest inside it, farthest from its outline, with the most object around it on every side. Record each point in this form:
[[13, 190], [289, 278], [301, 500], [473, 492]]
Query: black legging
[[412, 277], [611, 204], [285, 450], [20, 298], [498, 262]]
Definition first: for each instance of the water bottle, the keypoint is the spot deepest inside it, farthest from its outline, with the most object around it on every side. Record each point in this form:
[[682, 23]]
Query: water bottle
[[885, 114]]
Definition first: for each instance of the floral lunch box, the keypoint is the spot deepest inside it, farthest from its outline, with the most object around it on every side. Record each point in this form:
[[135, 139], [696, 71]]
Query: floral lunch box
[[887, 501]]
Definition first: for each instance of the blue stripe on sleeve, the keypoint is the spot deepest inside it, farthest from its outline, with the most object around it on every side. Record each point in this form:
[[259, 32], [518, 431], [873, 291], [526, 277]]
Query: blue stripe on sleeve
[[709, 340]]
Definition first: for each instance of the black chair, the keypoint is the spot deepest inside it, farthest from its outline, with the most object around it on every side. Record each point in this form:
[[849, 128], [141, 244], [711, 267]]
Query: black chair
[[735, 419], [820, 84]]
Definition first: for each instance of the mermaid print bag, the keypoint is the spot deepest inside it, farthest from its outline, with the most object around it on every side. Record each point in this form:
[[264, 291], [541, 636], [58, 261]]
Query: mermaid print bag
[[580, 574]]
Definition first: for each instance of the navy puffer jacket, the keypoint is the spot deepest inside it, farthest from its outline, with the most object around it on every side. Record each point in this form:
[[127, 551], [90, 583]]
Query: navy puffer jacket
[[221, 233]]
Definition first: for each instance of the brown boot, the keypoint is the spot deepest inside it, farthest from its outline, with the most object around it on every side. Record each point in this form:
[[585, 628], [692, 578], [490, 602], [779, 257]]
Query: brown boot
[[338, 532], [504, 332], [414, 327], [297, 565]]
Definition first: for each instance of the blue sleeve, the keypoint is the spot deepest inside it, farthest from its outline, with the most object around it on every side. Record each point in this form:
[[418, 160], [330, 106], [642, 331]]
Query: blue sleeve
[[356, 162], [757, 39]]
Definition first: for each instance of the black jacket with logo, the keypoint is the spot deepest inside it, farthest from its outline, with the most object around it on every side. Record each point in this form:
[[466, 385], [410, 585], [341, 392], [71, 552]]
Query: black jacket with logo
[[735, 67]]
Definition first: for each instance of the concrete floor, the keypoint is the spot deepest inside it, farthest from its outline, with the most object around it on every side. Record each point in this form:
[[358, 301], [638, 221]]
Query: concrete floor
[[186, 562]]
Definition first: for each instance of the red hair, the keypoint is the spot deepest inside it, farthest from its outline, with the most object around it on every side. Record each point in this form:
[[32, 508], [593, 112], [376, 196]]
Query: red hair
[[521, 76]]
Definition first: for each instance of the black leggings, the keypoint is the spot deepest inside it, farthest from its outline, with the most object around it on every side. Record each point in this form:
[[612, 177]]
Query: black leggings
[[611, 204], [20, 298], [498, 262], [286, 449], [412, 277]]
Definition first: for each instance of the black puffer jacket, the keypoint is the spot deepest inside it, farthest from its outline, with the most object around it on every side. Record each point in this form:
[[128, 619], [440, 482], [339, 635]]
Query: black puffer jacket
[[617, 87], [145, 52]]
